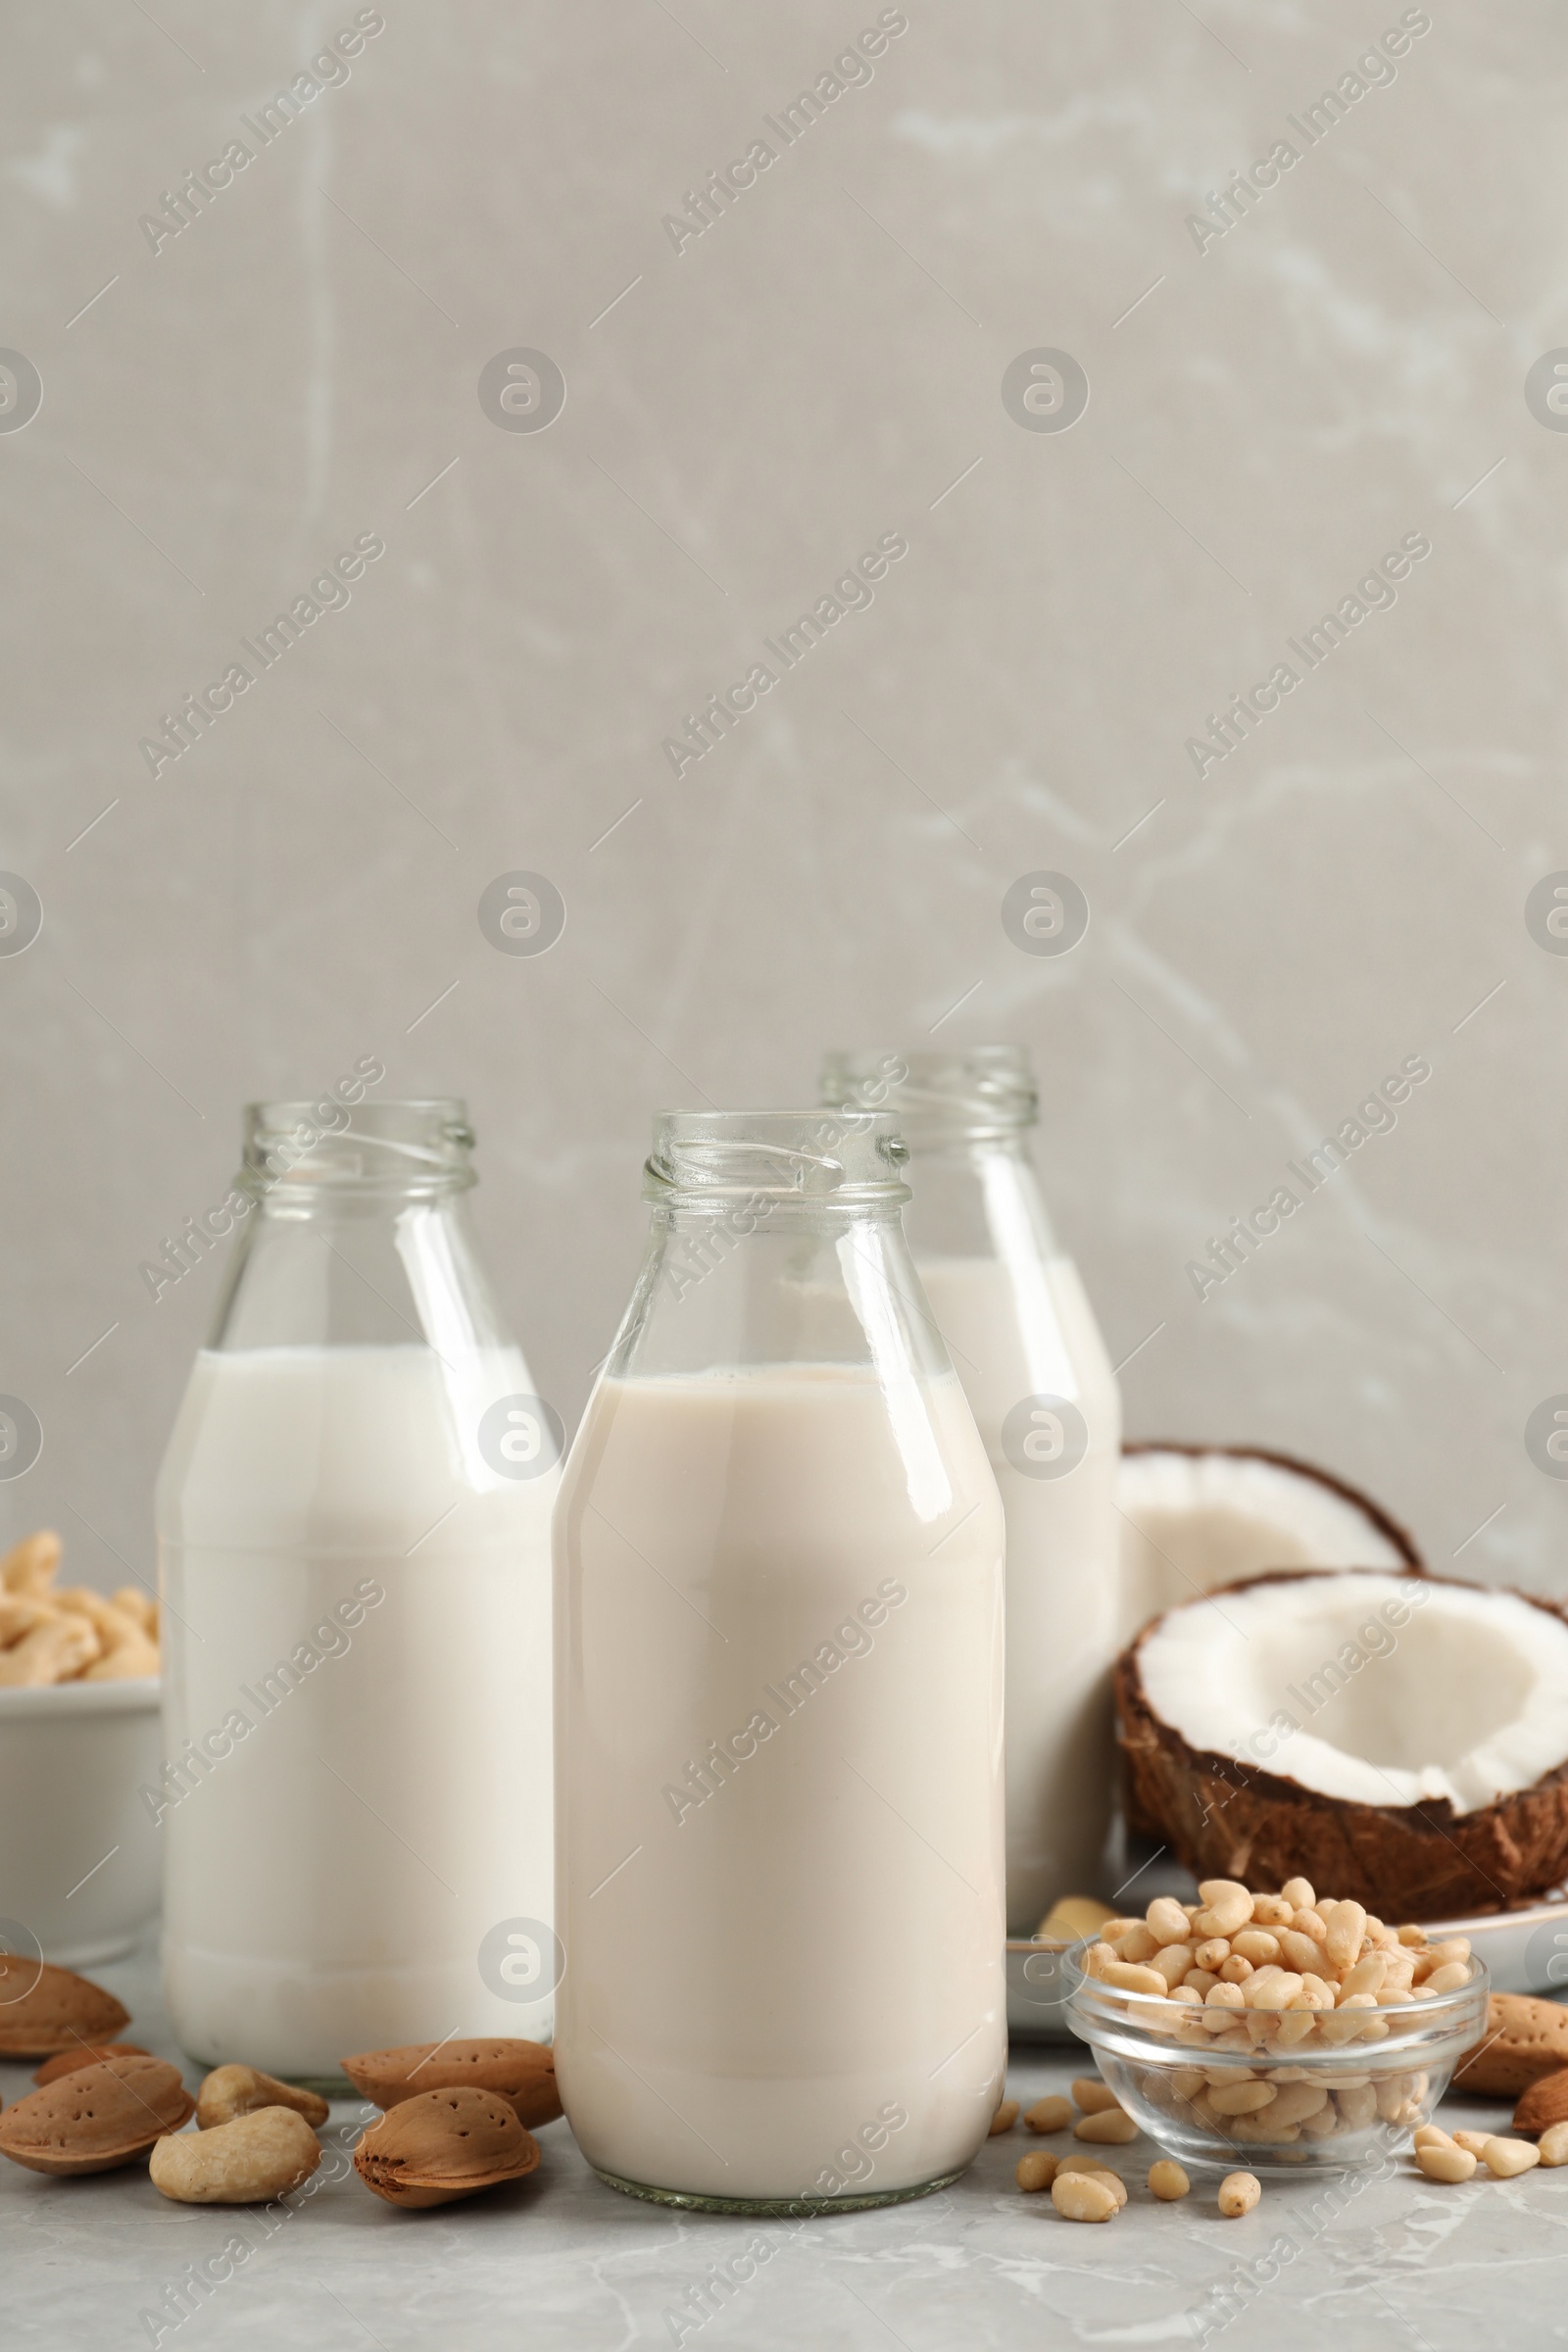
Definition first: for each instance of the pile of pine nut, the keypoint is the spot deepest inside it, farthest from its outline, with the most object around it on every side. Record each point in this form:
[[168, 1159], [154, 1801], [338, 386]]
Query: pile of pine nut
[[1281, 1977]]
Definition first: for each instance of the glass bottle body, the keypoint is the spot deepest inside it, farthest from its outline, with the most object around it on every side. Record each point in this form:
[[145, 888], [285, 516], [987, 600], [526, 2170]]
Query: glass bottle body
[[353, 1522], [1025, 1343], [778, 1702]]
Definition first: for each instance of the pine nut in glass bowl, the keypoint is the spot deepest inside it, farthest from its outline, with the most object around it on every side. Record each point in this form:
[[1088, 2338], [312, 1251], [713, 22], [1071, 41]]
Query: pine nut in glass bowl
[[1281, 2068]]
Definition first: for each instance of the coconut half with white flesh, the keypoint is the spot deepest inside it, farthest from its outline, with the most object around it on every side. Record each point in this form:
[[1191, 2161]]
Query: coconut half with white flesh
[[1195, 1517], [1398, 1738]]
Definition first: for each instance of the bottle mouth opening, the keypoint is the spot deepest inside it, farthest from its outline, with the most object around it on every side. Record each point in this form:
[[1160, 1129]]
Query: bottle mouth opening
[[329, 1145], [827, 1159], [969, 1094]]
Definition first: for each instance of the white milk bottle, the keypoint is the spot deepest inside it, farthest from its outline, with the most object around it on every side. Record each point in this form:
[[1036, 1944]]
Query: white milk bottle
[[1025, 1344], [353, 1521], [778, 1697]]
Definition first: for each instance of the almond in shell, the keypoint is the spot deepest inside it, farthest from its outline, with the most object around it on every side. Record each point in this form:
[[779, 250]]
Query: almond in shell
[[69, 2061], [96, 2117], [1543, 2104], [1524, 2038], [442, 2145], [44, 2009], [523, 2071]]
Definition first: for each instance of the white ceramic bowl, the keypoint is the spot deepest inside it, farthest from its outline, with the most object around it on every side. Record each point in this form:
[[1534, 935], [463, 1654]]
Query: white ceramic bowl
[[78, 1851]]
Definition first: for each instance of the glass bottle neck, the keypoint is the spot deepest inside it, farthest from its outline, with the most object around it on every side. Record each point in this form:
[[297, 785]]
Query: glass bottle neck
[[351, 1231], [977, 1197]]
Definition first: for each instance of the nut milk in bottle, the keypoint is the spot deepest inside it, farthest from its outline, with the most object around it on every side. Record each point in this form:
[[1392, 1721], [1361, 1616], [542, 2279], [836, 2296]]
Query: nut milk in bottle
[[1025, 1344], [778, 1558], [353, 1520]]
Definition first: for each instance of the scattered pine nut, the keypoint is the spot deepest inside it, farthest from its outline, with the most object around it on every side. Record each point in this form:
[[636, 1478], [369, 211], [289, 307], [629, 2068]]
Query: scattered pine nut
[[1433, 2136], [1053, 2114], [1239, 2192], [1553, 2144], [1036, 2170], [1083, 2197], [1092, 2096], [1100, 2170], [1167, 2180], [1474, 2141], [1006, 2117], [1444, 2162], [1503, 2158], [1107, 2126]]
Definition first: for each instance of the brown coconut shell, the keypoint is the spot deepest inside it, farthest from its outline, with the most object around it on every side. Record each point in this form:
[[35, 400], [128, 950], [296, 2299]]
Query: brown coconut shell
[[44, 2009], [97, 2118], [523, 2071], [442, 2145], [1224, 1819], [1139, 1822]]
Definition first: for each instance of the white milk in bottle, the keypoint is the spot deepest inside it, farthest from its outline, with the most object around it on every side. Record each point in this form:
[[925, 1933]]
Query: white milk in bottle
[[354, 1538], [778, 1699], [1025, 1344]]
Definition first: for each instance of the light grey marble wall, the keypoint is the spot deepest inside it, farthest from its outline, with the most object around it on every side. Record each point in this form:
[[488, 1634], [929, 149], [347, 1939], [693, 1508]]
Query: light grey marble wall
[[1271, 411]]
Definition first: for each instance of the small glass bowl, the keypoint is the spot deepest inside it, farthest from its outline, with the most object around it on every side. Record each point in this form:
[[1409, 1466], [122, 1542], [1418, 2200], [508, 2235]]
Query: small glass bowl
[[1369, 2077]]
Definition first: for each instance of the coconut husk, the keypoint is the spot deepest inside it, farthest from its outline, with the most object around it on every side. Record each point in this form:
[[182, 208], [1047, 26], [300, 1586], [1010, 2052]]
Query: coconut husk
[[1228, 1820], [1138, 1821]]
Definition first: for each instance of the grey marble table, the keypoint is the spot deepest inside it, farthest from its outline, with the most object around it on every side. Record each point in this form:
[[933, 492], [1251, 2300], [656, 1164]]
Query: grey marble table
[[563, 2261]]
